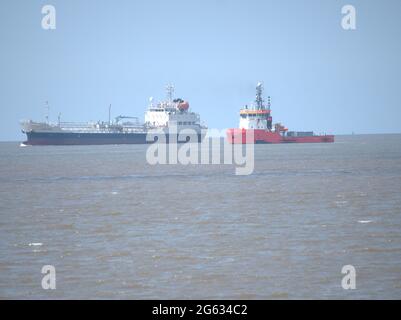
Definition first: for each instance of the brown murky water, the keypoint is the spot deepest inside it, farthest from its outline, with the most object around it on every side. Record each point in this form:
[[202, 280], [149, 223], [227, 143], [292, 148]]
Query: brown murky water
[[115, 227]]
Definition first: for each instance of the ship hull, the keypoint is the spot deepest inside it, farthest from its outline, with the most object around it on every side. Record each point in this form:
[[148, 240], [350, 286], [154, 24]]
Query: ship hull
[[240, 136], [73, 138]]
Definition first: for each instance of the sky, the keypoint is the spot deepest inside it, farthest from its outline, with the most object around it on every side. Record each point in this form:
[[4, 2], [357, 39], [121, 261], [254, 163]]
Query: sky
[[320, 77]]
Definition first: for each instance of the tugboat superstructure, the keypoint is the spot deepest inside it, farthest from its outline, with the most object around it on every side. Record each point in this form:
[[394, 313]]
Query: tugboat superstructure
[[257, 119]]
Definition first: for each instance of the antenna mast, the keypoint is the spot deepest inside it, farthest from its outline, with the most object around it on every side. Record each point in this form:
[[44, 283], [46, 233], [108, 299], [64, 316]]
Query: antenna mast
[[259, 100], [170, 92], [110, 114], [47, 107]]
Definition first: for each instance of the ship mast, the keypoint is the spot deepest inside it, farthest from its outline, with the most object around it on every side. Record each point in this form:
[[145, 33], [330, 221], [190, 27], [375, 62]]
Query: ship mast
[[259, 100], [170, 92], [47, 107]]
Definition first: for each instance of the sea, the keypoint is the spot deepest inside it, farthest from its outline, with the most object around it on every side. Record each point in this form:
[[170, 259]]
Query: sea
[[313, 221]]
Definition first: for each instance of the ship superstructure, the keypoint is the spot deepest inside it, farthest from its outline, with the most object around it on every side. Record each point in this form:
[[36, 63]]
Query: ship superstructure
[[257, 116], [159, 117], [257, 119], [171, 112]]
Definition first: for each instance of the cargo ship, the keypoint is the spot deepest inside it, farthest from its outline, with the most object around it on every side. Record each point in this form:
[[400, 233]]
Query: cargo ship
[[162, 119], [256, 126]]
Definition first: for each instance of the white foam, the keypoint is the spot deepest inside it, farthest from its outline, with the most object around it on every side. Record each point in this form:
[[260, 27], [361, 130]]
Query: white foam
[[364, 221], [34, 244]]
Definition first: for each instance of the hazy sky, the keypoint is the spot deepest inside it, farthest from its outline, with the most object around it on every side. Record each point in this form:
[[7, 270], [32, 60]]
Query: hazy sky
[[320, 76]]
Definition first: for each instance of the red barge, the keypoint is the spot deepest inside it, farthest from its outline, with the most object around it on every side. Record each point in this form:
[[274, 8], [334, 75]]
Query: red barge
[[256, 127]]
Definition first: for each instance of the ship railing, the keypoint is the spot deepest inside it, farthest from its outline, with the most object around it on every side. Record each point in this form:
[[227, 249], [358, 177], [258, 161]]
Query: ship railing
[[77, 124], [103, 130]]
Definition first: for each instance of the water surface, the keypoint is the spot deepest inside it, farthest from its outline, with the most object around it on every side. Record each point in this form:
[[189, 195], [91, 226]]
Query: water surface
[[116, 227]]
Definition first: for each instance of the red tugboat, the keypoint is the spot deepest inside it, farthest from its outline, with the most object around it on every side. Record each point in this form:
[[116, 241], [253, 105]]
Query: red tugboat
[[258, 119]]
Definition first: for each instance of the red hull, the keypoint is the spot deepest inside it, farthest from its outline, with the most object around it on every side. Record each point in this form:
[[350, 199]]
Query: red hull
[[262, 136]]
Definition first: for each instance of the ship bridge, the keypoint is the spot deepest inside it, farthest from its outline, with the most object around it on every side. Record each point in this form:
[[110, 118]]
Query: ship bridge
[[171, 112], [257, 116]]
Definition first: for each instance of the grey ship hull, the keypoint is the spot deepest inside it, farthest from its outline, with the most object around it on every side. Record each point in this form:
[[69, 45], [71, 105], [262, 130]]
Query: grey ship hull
[[94, 138]]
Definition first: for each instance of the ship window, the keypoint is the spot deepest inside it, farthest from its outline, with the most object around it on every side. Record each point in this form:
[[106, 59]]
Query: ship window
[[179, 123]]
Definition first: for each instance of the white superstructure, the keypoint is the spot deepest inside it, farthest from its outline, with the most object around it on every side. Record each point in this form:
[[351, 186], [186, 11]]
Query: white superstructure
[[171, 112], [256, 116]]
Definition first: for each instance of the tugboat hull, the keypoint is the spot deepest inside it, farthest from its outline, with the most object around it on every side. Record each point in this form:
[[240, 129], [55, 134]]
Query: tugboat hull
[[243, 136]]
